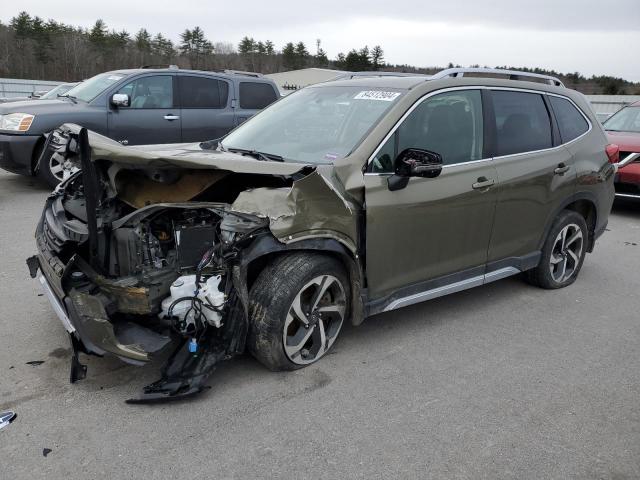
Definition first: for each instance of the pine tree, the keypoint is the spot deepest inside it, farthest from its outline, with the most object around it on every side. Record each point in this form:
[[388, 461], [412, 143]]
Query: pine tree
[[289, 57], [377, 58]]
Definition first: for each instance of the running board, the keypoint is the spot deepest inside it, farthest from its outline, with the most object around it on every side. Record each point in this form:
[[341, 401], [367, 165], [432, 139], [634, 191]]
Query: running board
[[452, 288], [628, 195]]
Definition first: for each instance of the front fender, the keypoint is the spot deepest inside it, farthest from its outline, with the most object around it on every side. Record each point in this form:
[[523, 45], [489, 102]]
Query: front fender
[[265, 247]]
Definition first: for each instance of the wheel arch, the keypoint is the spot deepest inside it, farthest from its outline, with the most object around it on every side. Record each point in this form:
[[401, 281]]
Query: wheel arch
[[583, 203], [267, 248], [38, 148]]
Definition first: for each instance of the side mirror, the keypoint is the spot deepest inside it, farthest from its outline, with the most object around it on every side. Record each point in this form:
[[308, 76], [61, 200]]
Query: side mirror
[[120, 100], [414, 162]]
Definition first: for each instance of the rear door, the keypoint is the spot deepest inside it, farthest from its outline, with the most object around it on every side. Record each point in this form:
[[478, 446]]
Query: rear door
[[439, 226], [253, 97], [151, 116], [206, 109], [536, 172]]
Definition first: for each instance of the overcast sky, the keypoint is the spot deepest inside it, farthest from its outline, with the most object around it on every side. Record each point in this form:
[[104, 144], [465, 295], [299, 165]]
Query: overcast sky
[[589, 36]]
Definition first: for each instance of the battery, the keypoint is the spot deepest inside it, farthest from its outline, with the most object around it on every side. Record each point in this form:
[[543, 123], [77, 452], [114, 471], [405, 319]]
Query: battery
[[192, 242]]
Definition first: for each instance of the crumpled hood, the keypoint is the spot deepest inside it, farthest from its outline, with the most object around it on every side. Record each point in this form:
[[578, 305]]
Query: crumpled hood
[[180, 155]]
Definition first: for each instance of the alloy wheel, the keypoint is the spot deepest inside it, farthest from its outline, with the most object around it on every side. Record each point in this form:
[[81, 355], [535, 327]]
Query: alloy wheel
[[61, 170], [566, 253], [314, 319]]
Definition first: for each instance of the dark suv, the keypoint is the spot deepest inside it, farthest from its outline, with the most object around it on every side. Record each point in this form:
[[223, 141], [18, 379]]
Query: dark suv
[[134, 107], [340, 201]]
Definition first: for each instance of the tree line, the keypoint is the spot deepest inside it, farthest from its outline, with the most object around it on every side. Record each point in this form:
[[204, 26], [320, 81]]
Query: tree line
[[33, 48], [38, 49]]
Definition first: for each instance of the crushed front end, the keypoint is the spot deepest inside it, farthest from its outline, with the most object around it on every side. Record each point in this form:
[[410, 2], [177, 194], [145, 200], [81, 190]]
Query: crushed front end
[[130, 279]]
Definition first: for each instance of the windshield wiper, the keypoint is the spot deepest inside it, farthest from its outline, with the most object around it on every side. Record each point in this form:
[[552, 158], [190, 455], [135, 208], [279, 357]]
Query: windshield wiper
[[266, 157], [70, 97]]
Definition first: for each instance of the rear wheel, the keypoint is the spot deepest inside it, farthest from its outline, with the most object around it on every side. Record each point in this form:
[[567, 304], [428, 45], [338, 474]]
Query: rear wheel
[[296, 310], [563, 252]]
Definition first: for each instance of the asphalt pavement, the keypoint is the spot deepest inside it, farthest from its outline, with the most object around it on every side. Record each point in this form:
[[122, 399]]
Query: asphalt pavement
[[502, 381]]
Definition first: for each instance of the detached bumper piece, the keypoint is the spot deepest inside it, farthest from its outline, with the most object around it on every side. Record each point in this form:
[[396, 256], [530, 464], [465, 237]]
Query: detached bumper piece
[[91, 332], [185, 373]]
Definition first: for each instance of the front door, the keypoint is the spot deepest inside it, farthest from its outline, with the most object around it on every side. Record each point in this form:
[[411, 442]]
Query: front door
[[434, 226], [151, 116]]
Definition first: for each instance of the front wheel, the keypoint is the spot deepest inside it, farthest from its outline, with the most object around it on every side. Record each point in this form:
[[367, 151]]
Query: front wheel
[[55, 169], [297, 306], [563, 252]]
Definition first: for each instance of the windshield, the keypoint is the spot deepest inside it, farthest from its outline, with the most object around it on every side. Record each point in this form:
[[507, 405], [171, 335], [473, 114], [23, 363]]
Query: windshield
[[90, 89], [314, 125], [625, 120], [59, 90]]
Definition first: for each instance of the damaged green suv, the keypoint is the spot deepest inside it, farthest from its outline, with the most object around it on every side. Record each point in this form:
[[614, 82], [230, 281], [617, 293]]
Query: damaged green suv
[[340, 201]]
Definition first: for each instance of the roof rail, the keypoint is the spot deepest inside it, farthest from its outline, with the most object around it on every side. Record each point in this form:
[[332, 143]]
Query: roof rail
[[241, 72], [513, 74], [376, 73], [161, 65]]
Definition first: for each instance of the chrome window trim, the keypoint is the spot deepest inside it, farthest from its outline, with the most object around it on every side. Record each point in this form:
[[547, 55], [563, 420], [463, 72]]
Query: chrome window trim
[[411, 109], [477, 87]]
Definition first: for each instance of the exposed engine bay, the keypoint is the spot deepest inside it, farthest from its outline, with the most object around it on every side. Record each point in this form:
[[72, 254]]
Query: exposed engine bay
[[137, 253]]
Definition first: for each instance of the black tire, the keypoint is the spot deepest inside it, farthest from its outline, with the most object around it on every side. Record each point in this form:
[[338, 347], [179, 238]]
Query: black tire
[[271, 299], [44, 171], [542, 276]]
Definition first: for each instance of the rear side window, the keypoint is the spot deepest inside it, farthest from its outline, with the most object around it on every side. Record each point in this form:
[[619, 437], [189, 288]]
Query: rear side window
[[255, 96], [202, 92], [570, 121], [522, 121]]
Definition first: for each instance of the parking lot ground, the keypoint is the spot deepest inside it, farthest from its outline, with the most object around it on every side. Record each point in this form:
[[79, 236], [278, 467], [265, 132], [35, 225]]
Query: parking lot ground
[[502, 381]]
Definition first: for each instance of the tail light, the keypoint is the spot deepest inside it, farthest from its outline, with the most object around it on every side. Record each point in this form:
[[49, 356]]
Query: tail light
[[613, 152]]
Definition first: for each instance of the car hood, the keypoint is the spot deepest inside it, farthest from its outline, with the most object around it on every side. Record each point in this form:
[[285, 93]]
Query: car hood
[[180, 155], [627, 141], [35, 107]]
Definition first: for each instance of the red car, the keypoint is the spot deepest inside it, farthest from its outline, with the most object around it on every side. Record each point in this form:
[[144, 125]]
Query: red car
[[623, 129]]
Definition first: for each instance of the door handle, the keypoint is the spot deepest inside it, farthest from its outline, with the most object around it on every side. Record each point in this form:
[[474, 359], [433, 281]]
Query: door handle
[[483, 182], [562, 169], [171, 117]]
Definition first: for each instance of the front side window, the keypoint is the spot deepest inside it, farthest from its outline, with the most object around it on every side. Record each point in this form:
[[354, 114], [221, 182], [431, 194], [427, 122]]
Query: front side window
[[522, 122], [448, 123], [256, 96], [150, 92], [316, 124], [201, 92], [571, 123], [625, 120]]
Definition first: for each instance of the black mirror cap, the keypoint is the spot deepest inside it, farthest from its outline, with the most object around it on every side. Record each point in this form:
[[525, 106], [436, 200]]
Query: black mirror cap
[[416, 162], [397, 182]]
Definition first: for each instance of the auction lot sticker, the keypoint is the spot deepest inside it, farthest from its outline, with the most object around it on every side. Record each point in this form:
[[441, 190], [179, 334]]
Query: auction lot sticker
[[377, 95]]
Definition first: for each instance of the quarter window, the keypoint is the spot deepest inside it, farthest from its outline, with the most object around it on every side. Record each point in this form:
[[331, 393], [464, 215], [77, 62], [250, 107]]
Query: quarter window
[[150, 92], [202, 92], [255, 96], [571, 123], [522, 122], [449, 124]]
